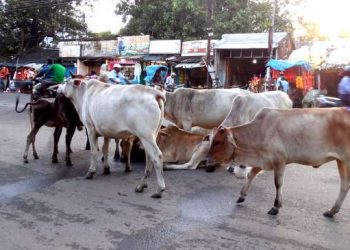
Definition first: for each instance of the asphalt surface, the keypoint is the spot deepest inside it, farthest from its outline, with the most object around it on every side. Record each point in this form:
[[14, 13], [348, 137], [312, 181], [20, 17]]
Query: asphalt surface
[[51, 206]]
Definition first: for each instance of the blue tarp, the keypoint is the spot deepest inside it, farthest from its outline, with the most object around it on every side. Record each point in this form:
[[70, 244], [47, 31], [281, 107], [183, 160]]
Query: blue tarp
[[151, 71], [282, 65]]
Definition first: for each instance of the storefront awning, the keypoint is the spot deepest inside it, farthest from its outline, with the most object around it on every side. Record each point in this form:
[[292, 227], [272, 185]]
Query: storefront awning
[[282, 65], [190, 65]]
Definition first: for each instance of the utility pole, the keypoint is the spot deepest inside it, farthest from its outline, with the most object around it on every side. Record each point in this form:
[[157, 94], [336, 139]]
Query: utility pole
[[270, 43], [210, 34]]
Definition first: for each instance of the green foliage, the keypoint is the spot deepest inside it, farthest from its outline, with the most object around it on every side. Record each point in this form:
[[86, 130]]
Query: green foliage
[[27, 22], [174, 19]]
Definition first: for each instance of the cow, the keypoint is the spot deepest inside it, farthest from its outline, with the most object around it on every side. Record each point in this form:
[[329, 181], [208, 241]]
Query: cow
[[277, 137], [244, 108], [205, 108], [60, 113], [180, 146], [118, 111]]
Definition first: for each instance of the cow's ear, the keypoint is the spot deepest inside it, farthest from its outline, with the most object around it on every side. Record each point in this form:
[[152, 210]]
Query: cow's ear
[[71, 74], [77, 83]]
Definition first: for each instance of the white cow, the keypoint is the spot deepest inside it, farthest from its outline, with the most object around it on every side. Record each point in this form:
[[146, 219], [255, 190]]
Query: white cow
[[205, 108], [118, 111]]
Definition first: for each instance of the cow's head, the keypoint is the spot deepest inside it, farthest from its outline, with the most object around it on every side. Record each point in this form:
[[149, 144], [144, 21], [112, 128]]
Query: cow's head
[[222, 146], [72, 86]]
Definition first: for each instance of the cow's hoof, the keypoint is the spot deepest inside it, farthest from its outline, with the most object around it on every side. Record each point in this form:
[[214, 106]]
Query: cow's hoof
[[36, 157], [69, 163], [328, 214], [25, 161], [273, 211], [157, 195], [127, 170], [210, 168], [103, 159], [54, 161], [90, 175], [116, 157], [106, 171], [240, 200], [139, 188]]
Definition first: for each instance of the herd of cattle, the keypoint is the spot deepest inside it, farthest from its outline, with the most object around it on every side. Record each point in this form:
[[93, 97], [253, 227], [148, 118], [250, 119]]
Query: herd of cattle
[[182, 129]]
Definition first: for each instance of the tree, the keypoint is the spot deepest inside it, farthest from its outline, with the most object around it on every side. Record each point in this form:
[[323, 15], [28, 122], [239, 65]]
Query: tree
[[174, 19], [29, 22]]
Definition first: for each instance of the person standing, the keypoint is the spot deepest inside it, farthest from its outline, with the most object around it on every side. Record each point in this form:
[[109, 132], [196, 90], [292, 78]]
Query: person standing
[[170, 82], [4, 73], [282, 84], [344, 86]]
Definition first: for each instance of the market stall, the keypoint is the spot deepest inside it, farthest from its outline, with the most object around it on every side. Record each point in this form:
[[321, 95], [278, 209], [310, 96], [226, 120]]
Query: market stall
[[298, 74]]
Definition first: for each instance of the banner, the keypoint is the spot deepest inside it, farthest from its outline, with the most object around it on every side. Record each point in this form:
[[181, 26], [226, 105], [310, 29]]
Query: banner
[[106, 48], [165, 47], [133, 45], [197, 48]]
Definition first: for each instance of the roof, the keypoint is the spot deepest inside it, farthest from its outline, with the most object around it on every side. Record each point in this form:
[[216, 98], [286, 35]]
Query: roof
[[282, 65], [249, 40]]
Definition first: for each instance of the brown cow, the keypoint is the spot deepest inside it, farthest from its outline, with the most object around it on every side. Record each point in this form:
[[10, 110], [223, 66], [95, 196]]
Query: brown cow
[[277, 137]]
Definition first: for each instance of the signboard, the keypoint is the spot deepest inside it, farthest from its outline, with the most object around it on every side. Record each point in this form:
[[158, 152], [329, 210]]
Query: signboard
[[106, 48], [165, 47], [133, 45], [197, 48], [69, 49]]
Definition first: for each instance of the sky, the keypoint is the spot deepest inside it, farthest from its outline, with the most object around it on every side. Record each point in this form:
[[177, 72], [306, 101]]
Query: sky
[[101, 16], [333, 15]]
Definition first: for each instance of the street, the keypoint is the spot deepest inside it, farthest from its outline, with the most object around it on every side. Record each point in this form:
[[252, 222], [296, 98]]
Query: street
[[51, 206]]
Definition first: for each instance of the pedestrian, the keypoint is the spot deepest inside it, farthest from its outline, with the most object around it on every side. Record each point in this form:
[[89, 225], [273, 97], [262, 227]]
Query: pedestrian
[[170, 82], [158, 80], [4, 73], [115, 76], [282, 83], [344, 86]]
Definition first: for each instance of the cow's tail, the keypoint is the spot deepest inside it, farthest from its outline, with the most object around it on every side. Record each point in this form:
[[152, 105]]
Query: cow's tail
[[160, 97], [25, 106], [17, 102]]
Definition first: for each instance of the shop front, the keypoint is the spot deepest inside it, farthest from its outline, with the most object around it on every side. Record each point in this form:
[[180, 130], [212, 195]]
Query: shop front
[[240, 57]]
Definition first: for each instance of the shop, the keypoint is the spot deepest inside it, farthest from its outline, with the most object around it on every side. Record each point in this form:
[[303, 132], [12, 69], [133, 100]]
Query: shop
[[239, 57]]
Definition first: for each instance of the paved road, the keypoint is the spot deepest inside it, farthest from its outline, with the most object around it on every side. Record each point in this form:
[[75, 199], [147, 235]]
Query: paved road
[[45, 206]]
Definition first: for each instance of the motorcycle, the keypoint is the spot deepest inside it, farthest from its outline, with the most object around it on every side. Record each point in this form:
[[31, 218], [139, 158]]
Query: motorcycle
[[38, 91], [327, 102]]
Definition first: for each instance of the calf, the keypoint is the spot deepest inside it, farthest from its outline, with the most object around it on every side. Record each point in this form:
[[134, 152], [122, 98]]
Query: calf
[[277, 137], [60, 113]]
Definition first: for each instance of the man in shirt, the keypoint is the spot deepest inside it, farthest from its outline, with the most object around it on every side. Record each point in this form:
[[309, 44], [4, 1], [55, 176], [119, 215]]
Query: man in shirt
[[4, 72], [115, 76], [170, 82], [53, 76], [344, 86]]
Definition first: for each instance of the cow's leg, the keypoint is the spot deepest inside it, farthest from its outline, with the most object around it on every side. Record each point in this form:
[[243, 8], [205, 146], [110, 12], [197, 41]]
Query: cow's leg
[[143, 184], [105, 147], [87, 145], [155, 158], [251, 176], [56, 138], [69, 136], [30, 139], [94, 154], [35, 154], [116, 152], [279, 176], [344, 174], [129, 145], [187, 125]]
